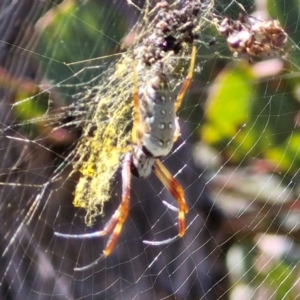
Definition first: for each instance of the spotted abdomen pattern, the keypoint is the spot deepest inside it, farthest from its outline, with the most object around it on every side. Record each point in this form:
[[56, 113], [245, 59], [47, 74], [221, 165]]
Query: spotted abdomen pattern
[[158, 123]]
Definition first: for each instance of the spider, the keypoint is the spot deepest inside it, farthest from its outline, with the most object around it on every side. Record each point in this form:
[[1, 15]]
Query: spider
[[155, 128]]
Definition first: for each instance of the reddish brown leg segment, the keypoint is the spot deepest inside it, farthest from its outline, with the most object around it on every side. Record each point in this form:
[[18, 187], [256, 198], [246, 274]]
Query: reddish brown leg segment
[[187, 81], [120, 215], [175, 189]]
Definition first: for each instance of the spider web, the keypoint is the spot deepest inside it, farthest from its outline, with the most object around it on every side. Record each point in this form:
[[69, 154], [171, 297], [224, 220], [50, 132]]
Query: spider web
[[66, 83]]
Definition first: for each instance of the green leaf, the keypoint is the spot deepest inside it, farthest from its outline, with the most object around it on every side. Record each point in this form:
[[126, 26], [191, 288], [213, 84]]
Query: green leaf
[[228, 104], [281, 279]]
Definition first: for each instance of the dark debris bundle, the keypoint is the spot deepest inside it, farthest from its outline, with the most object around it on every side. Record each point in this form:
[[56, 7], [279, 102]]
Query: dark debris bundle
[[251, 36], [169, 29]]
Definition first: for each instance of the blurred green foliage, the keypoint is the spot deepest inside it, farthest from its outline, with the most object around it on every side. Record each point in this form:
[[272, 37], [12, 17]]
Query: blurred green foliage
[[252, 115], [78, 35], [252, 112]]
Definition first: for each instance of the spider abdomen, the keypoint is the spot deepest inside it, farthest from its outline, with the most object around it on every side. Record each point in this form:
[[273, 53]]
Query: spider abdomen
[[158, 121]]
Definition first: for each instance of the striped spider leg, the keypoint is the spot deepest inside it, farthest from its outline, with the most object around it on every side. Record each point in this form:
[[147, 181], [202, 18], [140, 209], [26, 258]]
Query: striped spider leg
[[154, 131]]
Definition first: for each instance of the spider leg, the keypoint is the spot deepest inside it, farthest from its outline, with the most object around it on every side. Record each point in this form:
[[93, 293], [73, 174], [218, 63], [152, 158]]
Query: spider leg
[[110, 225], [94, 263], [107, 229], [115, 223], [136, 115], [164, 242], [177, 130], [187, 81], [175, 189], [121, 213]]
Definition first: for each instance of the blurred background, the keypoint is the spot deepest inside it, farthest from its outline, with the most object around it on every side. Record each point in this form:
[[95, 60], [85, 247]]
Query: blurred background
[[237, 159]]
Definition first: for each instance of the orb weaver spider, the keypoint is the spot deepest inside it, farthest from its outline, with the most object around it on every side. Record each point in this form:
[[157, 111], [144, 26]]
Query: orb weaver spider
[[155, 129]]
